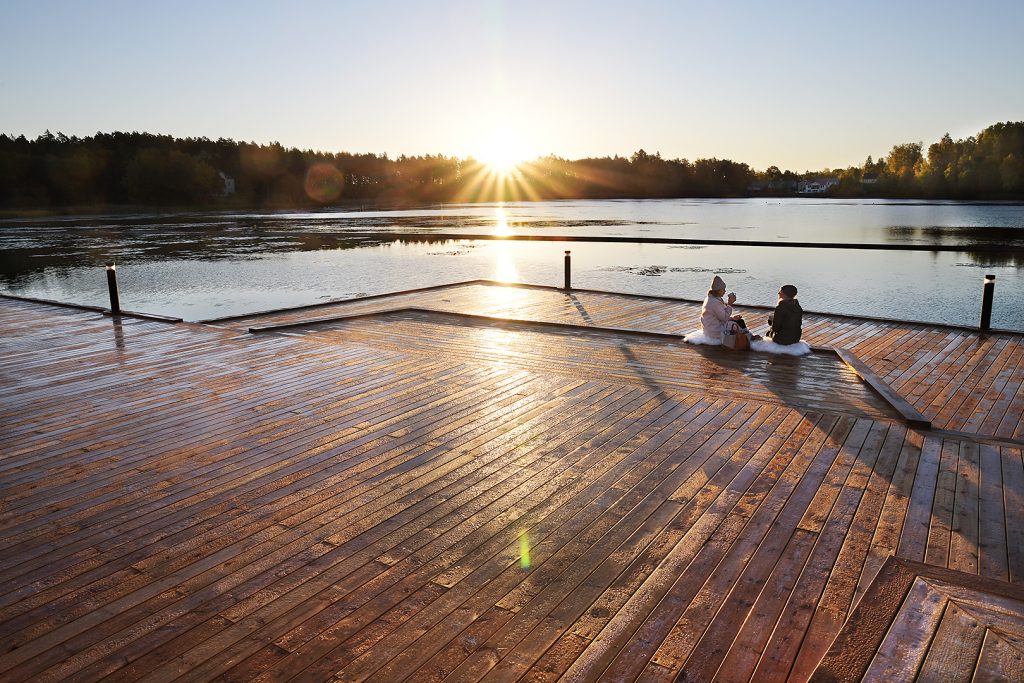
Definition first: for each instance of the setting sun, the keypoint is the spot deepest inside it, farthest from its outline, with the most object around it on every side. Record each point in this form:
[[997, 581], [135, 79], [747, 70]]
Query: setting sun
[[501, 156], [500, 146]]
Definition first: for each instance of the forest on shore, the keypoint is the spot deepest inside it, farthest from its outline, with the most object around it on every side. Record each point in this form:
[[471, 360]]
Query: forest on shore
[[56, 171]]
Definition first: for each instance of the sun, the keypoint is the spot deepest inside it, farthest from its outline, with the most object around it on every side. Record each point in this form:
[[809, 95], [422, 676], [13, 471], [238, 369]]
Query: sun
[[500, 168], [501, 153]]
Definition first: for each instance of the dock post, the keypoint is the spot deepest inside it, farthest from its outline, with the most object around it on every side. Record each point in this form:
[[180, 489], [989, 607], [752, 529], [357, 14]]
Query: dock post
[[986, 302], [568, 270], [115, 302]]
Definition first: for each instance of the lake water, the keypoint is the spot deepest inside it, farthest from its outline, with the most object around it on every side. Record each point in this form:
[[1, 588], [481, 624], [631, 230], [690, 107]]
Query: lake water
[[201, 265]]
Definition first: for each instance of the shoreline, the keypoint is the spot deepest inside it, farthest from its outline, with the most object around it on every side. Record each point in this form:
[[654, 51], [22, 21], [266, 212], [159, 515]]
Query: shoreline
[[371, 205]]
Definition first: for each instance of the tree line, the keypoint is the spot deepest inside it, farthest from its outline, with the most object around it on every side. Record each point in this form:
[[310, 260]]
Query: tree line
[[144, 169], [989, 165]]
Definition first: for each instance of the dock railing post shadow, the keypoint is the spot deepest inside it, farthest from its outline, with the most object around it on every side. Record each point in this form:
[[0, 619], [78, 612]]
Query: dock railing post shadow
[[568, 270], [987, 294], [115, 302]]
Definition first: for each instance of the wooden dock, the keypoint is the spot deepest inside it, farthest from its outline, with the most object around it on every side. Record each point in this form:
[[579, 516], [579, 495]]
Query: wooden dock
[[485, 482]]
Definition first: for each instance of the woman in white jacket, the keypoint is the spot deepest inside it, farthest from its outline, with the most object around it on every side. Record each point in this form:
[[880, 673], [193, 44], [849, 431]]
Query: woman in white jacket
[[716, 315]]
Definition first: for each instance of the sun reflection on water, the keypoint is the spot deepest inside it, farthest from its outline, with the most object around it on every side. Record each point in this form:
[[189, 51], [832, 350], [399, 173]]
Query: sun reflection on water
[[501, 226]]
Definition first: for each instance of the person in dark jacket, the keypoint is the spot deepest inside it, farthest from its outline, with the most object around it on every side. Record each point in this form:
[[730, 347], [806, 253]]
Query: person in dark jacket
[[787, 319]]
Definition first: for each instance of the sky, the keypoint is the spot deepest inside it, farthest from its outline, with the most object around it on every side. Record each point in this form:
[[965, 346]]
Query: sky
[[801, 85]]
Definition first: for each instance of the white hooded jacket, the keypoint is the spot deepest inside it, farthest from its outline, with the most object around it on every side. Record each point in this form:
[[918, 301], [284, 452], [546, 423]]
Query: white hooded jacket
[[715, 316]]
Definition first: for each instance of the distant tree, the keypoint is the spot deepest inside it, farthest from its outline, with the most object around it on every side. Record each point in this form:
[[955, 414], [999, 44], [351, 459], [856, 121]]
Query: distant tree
[[902, 158], [1011, 172], [170, 176]]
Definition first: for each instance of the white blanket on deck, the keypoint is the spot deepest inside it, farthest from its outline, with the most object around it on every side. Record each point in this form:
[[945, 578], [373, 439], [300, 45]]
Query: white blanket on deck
[[762, 345], [701, 339], [768, 346]]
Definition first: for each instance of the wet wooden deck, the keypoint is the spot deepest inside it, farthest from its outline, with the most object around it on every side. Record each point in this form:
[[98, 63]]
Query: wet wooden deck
[[415, 495]]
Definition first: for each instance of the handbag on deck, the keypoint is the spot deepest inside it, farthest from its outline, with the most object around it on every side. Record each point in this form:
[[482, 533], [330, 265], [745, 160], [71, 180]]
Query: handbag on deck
[[736, 339]]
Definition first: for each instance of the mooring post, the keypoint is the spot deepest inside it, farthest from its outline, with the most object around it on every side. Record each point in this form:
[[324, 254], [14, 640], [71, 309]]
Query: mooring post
[[115, 302], [987, 294], [568, 270]]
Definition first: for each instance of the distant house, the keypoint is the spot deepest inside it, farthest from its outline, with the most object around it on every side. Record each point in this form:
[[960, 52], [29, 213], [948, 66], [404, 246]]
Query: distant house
[[757, 186], [817, 186], [228, 188], [869, 179]]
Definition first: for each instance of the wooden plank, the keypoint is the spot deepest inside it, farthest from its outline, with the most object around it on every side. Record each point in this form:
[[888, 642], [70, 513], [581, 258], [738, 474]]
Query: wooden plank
[[999, 661], [394, 569], [704, 513], [917, 523], [1013, 504], [498, 563], [516, 605], [455, 502], [861, 503], [699, 592], [783, 552], [953, 651], [906, 641], [913, 417], [855, 647], [780, 652], [963, 547], [939, 533], [569, 611]]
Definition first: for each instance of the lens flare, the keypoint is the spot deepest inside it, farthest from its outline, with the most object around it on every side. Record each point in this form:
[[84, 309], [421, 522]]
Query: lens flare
[[323, 183], [524, 550]]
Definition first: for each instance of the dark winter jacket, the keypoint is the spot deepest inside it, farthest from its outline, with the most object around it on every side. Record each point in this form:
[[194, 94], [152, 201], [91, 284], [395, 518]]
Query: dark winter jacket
[[786, 322]]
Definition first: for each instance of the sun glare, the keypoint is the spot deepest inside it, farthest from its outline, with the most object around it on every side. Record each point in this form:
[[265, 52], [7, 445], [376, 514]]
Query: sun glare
[[501, 226], [502, 170], [501, 157]]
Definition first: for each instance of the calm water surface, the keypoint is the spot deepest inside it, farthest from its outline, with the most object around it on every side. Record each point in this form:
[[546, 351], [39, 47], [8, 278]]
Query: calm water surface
[[201, 265]]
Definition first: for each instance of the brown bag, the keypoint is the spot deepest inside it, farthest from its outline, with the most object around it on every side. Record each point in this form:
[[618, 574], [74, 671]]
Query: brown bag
[[737, 340]]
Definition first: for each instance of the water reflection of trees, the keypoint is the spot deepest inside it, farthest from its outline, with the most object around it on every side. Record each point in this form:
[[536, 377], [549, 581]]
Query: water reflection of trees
[[995, 259], [59, 252], [968, 237], [965, 235]]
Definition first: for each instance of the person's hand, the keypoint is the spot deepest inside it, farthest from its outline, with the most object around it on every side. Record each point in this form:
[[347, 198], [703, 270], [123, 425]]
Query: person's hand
[[732, 298]]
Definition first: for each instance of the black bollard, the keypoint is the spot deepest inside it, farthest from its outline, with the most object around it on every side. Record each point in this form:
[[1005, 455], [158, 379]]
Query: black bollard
[[568, 270], [987, 293], [115, 302]]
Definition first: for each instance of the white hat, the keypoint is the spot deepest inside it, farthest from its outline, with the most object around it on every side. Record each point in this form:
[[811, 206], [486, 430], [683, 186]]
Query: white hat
[[718, 283]]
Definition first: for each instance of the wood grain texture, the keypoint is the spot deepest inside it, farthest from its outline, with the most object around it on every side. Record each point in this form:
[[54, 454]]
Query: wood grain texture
[[405, 497]]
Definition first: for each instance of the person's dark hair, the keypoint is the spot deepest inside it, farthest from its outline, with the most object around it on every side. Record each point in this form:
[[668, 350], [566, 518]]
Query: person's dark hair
[[789, 290]]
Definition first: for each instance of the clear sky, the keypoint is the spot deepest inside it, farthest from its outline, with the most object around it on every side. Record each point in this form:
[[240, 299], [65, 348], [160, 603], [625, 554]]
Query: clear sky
[[803, 85]]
